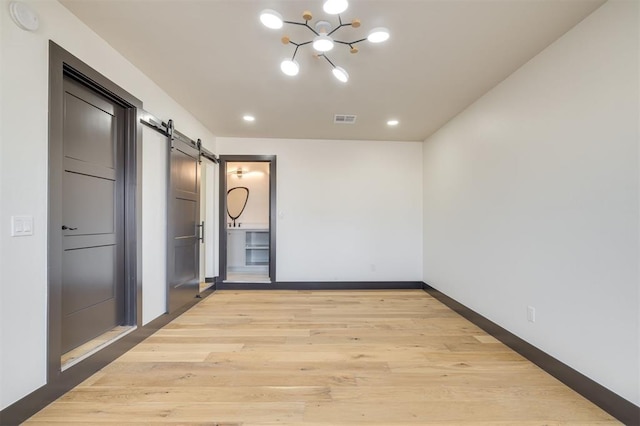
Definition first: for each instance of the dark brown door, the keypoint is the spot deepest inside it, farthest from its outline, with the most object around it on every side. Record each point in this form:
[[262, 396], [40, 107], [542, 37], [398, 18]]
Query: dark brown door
[[92, 215], [184, 217]]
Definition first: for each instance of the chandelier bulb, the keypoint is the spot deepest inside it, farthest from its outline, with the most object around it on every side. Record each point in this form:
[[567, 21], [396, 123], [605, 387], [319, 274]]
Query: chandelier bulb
[[290, 67], [307, 16], [335, 7], [356, 23], [285, 40], [323, 43], [341, 74], [271, 19], [378, 35]]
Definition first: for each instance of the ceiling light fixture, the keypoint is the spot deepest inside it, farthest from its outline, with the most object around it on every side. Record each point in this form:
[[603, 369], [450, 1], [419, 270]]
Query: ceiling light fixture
[[290, 67], [378, 35], [271, 19], [323, 41], [334, 7], [341, 74], [393, 123], [238, 172], [249, 118]]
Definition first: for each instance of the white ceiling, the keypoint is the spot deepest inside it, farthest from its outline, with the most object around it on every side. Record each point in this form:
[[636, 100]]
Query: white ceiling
[[216, 59]]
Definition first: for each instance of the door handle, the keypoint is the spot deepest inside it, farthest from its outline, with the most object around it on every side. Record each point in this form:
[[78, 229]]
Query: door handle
[[66, 228], [201, 232]]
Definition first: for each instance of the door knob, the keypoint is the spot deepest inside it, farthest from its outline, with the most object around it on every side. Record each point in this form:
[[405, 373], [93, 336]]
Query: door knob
[[65, 228]]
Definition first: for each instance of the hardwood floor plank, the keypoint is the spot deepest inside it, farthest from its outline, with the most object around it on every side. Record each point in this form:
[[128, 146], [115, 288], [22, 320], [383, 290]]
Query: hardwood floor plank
[[322, 358], [194, 332], [164, 346], [416, 412], [465, 392], [238, 394], [154, 413], [189, 340], [197, 380]]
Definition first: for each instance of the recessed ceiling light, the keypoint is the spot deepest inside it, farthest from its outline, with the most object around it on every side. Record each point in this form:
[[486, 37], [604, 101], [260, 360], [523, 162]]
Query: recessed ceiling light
[[393, 123], [249, 118]]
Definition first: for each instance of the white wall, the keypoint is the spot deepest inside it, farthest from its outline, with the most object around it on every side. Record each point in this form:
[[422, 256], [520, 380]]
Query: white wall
[[531, 199], [347, 210], [23, 174], [155, 163]]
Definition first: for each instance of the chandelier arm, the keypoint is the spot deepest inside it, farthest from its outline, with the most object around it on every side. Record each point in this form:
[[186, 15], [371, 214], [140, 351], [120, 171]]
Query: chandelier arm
[[349, 43], [298, 45], [301, 44], [338, 27], [328, 60], [302, 24]]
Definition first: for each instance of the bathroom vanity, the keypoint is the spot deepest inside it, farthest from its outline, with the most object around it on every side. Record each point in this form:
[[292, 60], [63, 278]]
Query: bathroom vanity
[[248, 250]]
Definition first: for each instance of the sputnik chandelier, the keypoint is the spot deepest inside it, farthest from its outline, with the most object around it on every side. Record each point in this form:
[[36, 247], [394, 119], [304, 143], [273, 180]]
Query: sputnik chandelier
[[323, 41]]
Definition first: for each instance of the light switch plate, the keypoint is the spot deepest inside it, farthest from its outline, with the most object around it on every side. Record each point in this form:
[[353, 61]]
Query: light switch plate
[[21, 226], [531, 314]]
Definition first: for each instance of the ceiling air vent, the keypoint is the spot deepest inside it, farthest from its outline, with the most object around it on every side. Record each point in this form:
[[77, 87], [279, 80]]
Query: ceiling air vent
[[344, 119]]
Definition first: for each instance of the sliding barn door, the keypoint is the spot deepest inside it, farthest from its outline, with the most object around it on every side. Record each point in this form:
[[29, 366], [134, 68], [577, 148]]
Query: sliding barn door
[[184, 217]]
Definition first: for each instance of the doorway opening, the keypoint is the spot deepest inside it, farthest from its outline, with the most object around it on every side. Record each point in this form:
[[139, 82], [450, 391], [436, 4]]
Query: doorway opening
[[247, 219]]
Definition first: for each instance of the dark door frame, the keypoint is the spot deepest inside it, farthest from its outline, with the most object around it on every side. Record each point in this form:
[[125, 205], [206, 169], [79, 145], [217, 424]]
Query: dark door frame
[[222, 226], [63, 64]]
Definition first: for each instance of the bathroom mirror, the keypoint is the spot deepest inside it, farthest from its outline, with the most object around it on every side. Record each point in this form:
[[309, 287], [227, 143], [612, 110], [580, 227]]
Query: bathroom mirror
[[236, 202]]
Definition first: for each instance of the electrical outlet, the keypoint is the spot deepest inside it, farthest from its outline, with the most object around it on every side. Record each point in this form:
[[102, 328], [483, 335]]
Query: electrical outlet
[[531, 314]]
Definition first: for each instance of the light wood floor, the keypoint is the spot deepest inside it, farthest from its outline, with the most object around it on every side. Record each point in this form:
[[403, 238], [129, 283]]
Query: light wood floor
[[91, 346], [322, 358]]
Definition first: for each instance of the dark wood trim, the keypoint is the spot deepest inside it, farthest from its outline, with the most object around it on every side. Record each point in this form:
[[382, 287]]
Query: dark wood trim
[[326, 285], [137, 202], [273, 215], [63, 64], [26, 407], [623, 410], [133, 216], [222, 221], [56, 88], [82, 72]]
